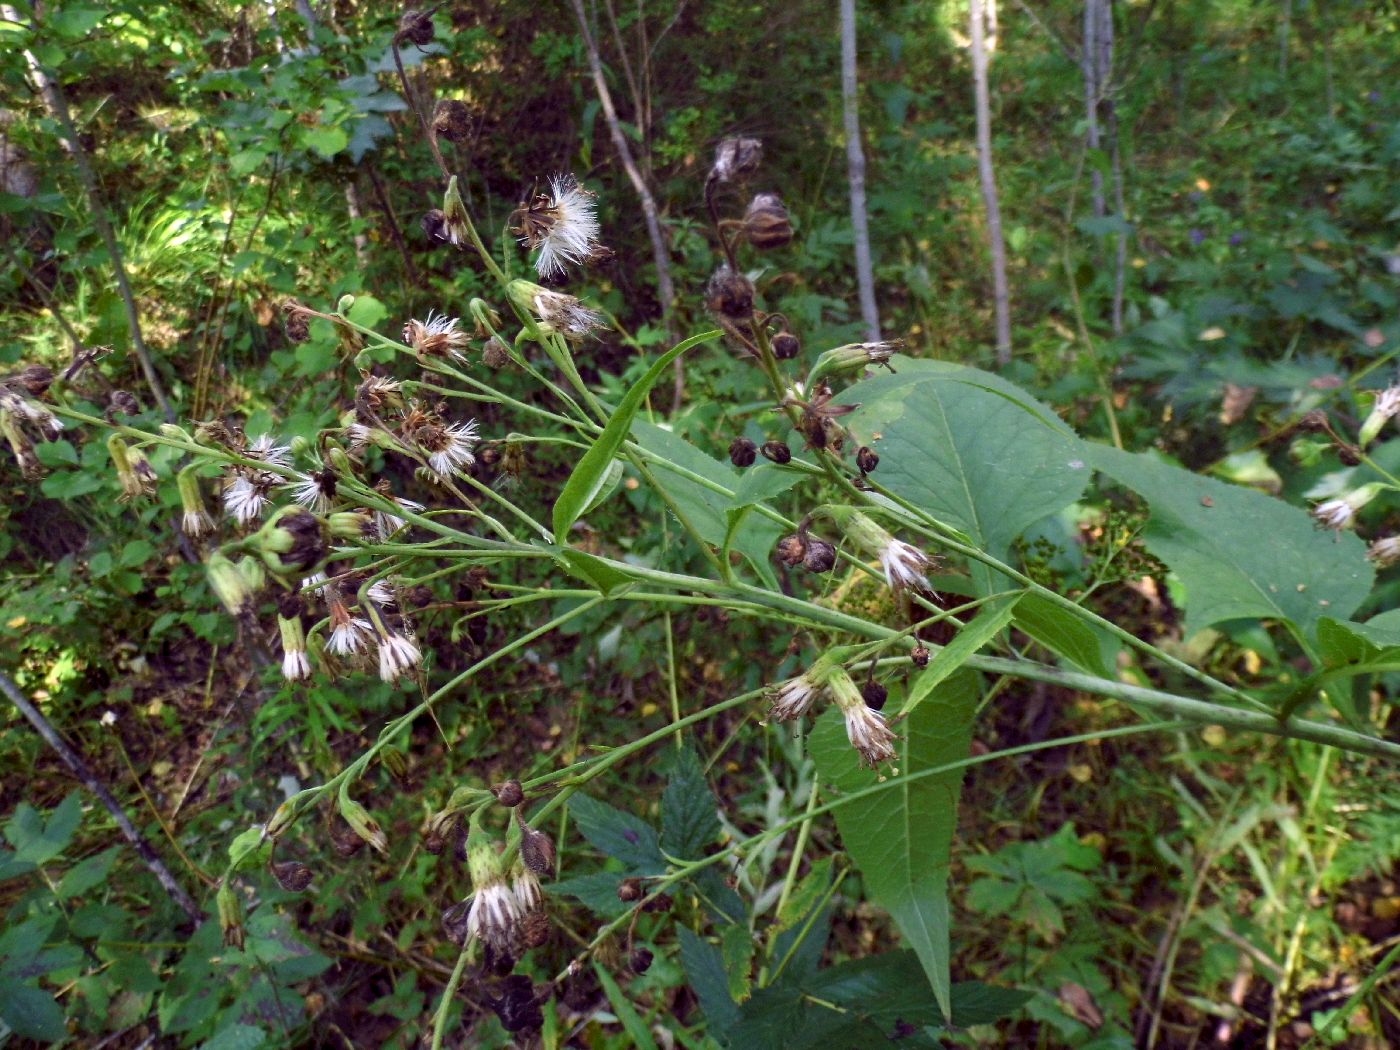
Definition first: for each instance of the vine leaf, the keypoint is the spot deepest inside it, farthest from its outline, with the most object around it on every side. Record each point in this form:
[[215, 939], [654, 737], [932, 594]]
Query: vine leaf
[[900, 838], [1240, 554]]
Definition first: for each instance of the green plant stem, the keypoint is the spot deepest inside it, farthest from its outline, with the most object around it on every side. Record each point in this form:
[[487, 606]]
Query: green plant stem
[[450, 992]]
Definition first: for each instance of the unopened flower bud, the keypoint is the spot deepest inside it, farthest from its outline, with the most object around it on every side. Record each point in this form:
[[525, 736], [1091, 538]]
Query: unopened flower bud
[[629, 890], [195, 520], [742, 452], [766, 223], [509, 794], [639, 962], [350, 525], [785, 345], [416, 27], [292, 875], [230, 910], [729, 296], [123, 403], [452, 120], [456, 221], [537, 850], [296, 323], [866, 459], [820, 556], [229, 585], [292, 543], [362, 824], [777, 451], [919, 654], [791, 550]]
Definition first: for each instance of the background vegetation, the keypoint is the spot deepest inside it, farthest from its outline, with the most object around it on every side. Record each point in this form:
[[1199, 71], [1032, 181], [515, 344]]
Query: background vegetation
[[1194, 885]]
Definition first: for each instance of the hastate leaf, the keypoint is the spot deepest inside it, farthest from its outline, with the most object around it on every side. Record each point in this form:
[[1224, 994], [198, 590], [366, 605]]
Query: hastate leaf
[[1240, 554], [900, 838]]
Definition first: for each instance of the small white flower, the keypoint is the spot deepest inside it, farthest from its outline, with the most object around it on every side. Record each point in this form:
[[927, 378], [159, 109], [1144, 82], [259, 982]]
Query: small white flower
[[196, 523], [314, 491], [265, 448], [380, 593], [349, 635], [449, 448], [295, 666], [868, 733], [904, 566], [494, 914], [438, 336], [793, 699], [1385, 551], [109, 718], [562, 225], [1387, 402], [1335, 513], [526, 888], [358, 436], [244, 499], [396, 655]]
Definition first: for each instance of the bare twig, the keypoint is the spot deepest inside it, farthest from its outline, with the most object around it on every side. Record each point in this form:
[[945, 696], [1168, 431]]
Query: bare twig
[[80, 769]]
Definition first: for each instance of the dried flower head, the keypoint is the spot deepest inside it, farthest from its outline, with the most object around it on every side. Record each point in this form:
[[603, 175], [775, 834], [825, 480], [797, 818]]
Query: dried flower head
[[1341, 512], [452, 120], [866, 728], [447, 446], [1385, 551], [397, 655], [562, 224], [742, 452], [556, 311], [729, 296], [766, 222], [438, 336], [736, 158]]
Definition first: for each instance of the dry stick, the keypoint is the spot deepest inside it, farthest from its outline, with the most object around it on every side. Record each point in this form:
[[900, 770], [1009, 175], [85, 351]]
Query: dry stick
[[75, 762], [996, 244], [855, 172], [664, 286], [58, 109]]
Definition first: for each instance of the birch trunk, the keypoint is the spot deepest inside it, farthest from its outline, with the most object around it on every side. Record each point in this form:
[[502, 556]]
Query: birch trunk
[[855, 171], [1001, 296]]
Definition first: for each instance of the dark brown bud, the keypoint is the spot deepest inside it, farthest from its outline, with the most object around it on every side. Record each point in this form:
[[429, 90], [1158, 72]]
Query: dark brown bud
[[34, 380], [297, 324], [1316, 420], [509, 794], [766, 222], [919, 654], [434, 843], [292, 875], [742, 452], [735, 158], [416, 27], [661, 902], [866, 459], [777, 451], [629, 890], [452, 120], [537, 851], [786, 346], [640, 960], [729, 295], [820, 556], [1350, 455], [535, 929], [494, 353], [290, 606], [875, 695], [434, 225], [791, 550], [123, 403]]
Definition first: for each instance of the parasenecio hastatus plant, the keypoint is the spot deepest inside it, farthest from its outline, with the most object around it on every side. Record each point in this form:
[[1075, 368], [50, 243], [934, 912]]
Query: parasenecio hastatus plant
[[311, 539]]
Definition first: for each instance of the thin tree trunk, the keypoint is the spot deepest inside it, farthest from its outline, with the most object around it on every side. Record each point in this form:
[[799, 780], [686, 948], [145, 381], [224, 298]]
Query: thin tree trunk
[[855, 172], [80, 769], [352, 207], [1001, 296], [57, 106], [1089, 66]]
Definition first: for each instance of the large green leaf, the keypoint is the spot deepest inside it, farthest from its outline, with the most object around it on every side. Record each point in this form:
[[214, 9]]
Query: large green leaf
[[1240, 554], [591, 474], [900, 838], [968, 448], [970, 638]]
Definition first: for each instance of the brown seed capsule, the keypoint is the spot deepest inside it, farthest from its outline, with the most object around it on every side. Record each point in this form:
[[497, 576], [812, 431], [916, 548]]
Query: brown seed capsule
[[292, 875], [434, 224], [866, 459], [452, 120], [874, 695], [34, 380], [123, 403], [742, 452], [1315, 420], [535, 929], [766, 222], [777, 451], [820, 556], [290, 606], [509, 794], [729, 295], [919, 654], [785, 346], [416, 27], [494, 353], [629, 890], [1350, 455], [640, 960], [791, 550], [537, 851], [297, 324]]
